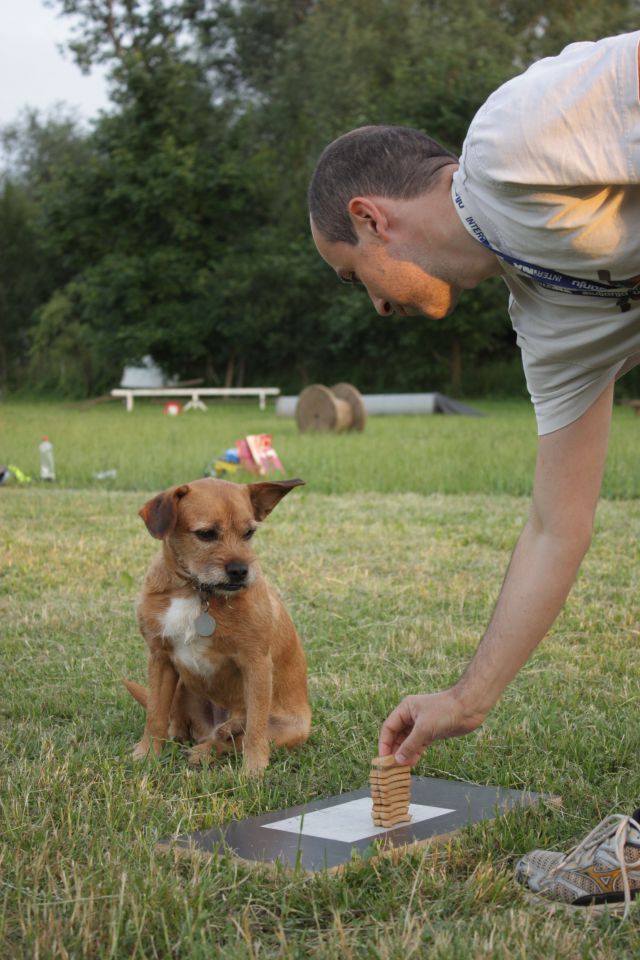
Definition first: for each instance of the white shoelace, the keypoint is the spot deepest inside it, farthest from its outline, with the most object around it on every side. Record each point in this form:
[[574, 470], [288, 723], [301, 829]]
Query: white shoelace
[[616, 826]]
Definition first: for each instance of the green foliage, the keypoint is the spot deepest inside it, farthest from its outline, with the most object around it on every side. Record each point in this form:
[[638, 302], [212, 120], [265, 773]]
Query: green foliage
[[35, 151], [65, 350], [143, 224], [18, 294], [178, 225]]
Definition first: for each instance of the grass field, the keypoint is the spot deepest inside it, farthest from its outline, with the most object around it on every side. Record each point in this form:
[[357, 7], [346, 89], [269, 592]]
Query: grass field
[[389, 561], [493, 454]]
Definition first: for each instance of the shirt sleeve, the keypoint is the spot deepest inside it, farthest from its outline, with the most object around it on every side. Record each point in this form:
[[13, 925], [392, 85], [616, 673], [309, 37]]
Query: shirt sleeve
[[570, 120]]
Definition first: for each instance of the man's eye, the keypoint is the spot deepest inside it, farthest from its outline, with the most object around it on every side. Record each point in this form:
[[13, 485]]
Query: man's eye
[[206, 535], [248, 535]]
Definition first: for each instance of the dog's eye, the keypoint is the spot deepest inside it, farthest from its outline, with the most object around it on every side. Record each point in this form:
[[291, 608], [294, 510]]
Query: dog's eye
[[206, 535], [248, 535]]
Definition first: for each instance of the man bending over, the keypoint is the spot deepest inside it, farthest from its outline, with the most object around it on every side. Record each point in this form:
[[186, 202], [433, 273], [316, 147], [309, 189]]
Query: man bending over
[[546, 194]]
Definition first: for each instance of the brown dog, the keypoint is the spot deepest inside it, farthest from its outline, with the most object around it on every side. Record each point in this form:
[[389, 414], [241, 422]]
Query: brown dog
[[218, 636]]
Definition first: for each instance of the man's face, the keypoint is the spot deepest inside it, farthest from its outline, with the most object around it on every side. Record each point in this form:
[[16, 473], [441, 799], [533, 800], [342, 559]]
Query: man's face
[[391, 275]]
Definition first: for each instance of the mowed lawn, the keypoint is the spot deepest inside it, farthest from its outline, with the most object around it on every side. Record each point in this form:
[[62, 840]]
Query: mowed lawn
[[389, 560]]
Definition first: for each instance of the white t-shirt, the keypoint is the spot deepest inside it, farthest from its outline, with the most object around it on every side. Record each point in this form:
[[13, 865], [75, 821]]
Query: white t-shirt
[[550, 177]]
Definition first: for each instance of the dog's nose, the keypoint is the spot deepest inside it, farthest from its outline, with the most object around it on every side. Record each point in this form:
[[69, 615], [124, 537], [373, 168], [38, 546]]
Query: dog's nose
[[237, 572]]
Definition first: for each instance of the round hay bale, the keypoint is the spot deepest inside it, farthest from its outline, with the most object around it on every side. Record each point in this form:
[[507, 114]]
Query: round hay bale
[[318, 409], [349, 393]]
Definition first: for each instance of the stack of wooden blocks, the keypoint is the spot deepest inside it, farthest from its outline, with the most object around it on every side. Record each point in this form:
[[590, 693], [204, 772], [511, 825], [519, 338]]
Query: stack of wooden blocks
[[390, 791]]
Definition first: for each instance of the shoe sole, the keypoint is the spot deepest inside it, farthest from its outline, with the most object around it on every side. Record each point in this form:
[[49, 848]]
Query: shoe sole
[[616, 908]]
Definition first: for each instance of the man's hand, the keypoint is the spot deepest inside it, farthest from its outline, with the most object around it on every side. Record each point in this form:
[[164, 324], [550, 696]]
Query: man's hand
[[419, 720]]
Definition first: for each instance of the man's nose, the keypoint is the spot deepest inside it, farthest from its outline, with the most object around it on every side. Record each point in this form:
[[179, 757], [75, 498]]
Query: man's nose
[[383, 307]]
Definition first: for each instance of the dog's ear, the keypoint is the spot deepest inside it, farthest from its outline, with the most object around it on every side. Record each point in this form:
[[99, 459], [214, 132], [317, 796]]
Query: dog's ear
[[161, 513], [265, 496]]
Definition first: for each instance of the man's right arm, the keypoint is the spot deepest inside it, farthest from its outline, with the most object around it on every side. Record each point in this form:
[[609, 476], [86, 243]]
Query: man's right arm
[[543, 567]]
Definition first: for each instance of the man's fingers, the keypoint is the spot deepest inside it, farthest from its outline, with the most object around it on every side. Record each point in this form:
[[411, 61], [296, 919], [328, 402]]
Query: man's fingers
[[411, 749], [410, 760], [399, 718], [388, 741], [402, 735], [394, 729]]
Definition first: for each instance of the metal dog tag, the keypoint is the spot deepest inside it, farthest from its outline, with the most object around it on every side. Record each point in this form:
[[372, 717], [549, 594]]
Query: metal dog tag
[[205, 624]]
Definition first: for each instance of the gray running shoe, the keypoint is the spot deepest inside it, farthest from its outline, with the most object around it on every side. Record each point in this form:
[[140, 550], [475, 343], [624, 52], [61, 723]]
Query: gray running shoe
[[601, 873]]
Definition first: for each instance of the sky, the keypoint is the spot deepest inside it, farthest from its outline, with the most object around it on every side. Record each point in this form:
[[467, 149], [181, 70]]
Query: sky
[[32, 70]]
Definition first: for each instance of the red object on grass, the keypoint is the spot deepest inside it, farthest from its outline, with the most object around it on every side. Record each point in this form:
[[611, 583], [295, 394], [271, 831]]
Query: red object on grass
[[257, 455]]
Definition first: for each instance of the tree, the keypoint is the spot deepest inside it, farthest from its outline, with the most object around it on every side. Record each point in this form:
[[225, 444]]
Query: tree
[[178, 226], [143, 225], [35, 149]]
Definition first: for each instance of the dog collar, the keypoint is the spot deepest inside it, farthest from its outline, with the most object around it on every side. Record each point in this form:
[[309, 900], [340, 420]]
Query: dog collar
[[204, 623]]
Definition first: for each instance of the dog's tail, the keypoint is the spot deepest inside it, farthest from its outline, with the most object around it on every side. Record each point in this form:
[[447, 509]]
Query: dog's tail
[[139, 693]]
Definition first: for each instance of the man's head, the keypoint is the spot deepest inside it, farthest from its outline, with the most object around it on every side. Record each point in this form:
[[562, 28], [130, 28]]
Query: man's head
[[377, 200], [395, 162]]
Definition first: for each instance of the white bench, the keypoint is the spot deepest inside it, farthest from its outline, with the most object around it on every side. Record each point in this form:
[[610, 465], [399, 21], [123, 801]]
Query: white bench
[[195, 403]]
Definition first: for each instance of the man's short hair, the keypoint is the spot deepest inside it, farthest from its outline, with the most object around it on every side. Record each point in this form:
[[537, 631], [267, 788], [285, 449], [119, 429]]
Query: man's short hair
[[383, 161]]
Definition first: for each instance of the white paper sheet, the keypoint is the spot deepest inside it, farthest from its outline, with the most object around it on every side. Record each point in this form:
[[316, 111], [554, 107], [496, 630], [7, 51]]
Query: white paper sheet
[[347, 822]]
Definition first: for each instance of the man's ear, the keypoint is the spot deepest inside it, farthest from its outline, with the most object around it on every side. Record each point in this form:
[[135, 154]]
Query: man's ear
[[368, 218], [161, 513], [265, 496]]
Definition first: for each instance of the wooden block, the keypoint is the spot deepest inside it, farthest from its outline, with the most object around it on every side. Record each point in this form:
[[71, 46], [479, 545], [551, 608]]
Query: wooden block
[[399, 773], [397, 782], [392, 822], [390, 785], [390, 781], [387, 791], [398, 815], [403, 791], [388, 825], [403, 794], [386, 812], [395, 796], [391, 800], [397, 777], [405, 770], [382, 763], [381, 767]]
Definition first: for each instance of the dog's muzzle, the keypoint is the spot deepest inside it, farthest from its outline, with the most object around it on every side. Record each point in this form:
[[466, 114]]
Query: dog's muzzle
[[237, 578], [237, 574]]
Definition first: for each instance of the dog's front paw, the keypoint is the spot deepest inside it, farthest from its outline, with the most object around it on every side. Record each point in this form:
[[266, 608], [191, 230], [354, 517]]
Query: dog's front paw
[[230, 730], [255, 763], [146, 746], [201, 753], [141, 749]]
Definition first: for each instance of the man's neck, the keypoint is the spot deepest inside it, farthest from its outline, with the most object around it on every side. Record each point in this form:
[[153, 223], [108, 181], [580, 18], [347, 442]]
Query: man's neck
[[444, 236]]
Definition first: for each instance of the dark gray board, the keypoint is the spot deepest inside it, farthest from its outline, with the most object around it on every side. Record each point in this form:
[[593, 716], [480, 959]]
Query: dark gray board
[[248, 840]]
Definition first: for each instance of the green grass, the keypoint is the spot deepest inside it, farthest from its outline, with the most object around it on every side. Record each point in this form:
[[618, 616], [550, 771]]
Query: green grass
[[439, 454], [390, 587]]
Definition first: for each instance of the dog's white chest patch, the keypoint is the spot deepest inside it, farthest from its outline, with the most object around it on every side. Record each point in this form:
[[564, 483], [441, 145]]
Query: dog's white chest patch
[[178, 624]]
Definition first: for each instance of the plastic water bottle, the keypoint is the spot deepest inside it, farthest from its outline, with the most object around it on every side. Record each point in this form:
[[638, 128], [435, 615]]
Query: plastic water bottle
[[47, 466]]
